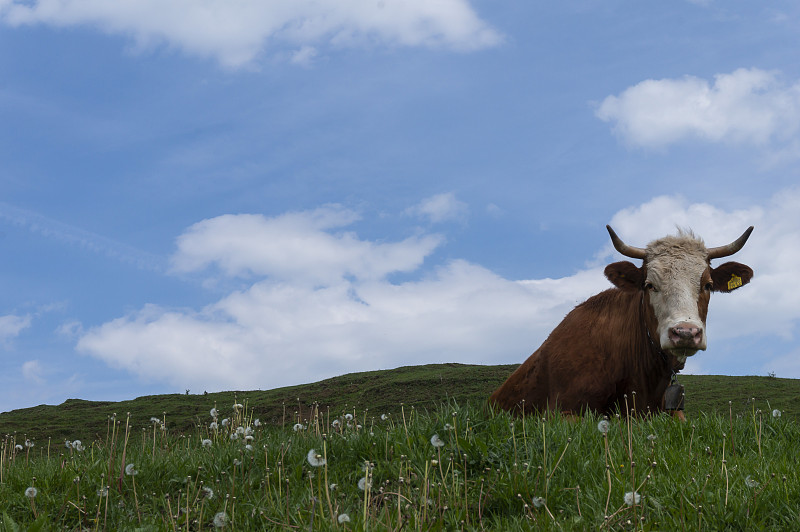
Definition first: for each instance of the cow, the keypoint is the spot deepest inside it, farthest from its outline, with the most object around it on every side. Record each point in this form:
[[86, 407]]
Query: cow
[[619, 349]]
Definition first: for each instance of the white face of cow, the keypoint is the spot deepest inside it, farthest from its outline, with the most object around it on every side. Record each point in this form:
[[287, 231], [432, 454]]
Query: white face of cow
[[678, 284]]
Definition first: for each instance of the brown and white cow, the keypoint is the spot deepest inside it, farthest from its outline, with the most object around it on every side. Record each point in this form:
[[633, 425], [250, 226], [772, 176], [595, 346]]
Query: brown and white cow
[[631, 338]]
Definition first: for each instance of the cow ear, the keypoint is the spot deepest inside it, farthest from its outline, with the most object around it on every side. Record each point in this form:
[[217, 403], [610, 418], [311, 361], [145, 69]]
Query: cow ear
[[625, 275], [730, 276]]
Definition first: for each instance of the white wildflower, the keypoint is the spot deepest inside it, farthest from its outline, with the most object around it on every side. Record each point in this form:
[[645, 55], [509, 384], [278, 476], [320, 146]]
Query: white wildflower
[[315, 459], [155, 420], [18, 447], [363, 484], [632, 498], [776, 413], [28, 444], [297, 427], [31, 492], [257, 422], [240, 431], [603, 426], [343, 518], [384, 417], [436, 441], [248, 447], [213, 425], [130, 470], [226, 422], [234, 436], [77, 445], [206, 443], [237, 406], [214, 413], [348, 417]]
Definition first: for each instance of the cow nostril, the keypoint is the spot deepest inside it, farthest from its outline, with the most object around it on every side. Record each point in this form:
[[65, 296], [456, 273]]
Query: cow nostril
[[686, 335]]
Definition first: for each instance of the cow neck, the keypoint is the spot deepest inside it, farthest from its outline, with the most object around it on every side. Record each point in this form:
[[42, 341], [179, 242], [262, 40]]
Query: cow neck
[[654, 348]]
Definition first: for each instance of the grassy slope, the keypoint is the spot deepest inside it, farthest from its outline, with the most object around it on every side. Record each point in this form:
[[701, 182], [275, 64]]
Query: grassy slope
[[379, 391]]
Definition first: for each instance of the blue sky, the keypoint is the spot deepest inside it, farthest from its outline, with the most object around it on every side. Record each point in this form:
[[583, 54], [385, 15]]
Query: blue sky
[[242, 195]]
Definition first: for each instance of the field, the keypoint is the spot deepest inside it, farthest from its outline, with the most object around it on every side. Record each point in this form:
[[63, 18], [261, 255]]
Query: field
[[413, 449]]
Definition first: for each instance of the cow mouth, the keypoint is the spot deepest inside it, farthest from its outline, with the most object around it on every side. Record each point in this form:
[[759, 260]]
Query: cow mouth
[[682, 353]]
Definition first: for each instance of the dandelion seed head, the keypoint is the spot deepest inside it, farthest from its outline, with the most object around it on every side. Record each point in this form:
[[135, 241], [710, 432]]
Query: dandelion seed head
[[603, 426], [750, 482], [130, 470], [221, 520], [348, 417], [315, 459], [297, 427], [214, 413], [207, 443], [632, 498], [776, 413], [343, 518], [363, 484], [31, 492], [213, 425], [226, 422], [538, 502], [208, 493], [436, 441]]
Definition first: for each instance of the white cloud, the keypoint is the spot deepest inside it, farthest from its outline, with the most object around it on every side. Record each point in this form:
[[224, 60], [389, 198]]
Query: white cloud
[[297, 246], [440, 208], [32, 372], [320, 304], [11, 326], [235, 32], [745, 106]]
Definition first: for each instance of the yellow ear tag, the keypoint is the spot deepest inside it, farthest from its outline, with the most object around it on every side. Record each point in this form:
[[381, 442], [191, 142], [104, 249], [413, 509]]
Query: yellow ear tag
[[735, 282]]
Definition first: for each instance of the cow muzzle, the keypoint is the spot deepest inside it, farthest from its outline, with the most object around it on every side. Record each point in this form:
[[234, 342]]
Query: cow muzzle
[[686, 336]]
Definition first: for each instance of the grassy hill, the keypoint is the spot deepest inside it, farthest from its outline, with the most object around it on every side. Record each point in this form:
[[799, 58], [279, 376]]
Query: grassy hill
[[378, 392]]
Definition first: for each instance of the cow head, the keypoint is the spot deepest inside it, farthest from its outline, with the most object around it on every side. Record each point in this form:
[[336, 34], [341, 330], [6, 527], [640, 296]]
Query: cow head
[[676, 280]]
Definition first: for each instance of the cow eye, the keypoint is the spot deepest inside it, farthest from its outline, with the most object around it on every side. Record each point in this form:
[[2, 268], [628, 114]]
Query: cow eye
[[650, 286], [709, 286]]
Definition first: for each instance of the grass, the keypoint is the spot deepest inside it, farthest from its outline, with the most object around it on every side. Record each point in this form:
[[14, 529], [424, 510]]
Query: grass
[[451, 468], [447, 465], [379, 391]]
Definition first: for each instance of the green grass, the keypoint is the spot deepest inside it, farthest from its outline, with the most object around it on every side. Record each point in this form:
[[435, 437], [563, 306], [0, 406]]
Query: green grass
[[492, 472], [732, 466], [379, 391]]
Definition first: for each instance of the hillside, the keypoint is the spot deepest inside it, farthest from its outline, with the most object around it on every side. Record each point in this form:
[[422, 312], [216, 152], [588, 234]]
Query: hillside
[[378, 392]]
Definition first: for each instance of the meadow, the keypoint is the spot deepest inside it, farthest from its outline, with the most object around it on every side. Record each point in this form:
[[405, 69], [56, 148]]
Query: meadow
[[453, 465]]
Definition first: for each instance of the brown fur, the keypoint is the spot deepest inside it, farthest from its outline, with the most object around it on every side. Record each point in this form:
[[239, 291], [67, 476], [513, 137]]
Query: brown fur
[[605, 354]]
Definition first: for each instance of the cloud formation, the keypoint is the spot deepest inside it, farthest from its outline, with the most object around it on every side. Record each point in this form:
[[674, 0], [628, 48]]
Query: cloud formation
[[746, 106], [11, 326], [235, 32], [440, 208], [320, 303]]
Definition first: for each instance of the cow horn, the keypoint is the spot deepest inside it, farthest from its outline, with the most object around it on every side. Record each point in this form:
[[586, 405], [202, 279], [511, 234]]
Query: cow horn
[[730, 249], [625, 249]]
